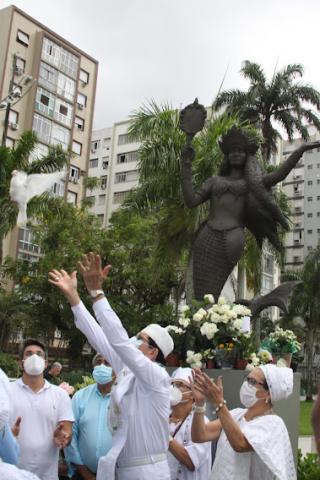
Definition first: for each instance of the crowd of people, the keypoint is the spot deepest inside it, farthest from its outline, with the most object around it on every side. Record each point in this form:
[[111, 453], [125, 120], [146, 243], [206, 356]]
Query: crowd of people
[[136, 422]]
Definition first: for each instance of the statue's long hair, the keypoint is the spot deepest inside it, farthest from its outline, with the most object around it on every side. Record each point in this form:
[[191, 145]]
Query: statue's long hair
[[263, 216]]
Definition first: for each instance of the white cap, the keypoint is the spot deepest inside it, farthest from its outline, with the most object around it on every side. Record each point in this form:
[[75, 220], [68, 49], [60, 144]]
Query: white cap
[[182, 375], [161, 337]]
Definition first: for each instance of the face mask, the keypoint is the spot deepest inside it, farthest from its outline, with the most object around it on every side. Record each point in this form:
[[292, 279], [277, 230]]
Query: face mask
[[248, 395], [136, 341], [176, 396], [34, 365], [102, 374]]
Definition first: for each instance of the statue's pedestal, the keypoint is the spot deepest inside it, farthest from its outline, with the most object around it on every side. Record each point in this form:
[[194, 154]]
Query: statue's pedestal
[[288, 410]]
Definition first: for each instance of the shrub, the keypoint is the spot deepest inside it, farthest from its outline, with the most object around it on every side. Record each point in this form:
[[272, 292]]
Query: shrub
[[308, 466], [9, 365], [73, 377]]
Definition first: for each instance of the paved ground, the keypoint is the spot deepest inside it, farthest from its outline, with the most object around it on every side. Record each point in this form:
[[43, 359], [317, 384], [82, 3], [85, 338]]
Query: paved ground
[[307, 444]]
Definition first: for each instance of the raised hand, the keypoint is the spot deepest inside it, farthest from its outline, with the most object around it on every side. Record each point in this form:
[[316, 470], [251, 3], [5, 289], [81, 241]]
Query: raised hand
[[92, 271], [212, 391], [61, 438], [66, 283], [198, 395], [16, 427]]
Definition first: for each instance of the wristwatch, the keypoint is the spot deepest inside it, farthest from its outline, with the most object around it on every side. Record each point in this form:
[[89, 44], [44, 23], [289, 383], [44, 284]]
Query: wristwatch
[[95, 293]]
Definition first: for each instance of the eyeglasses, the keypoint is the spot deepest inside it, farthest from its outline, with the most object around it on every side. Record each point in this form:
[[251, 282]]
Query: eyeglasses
[[253, 382]]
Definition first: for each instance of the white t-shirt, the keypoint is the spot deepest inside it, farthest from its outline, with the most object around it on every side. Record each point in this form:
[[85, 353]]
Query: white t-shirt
[[40, 413]]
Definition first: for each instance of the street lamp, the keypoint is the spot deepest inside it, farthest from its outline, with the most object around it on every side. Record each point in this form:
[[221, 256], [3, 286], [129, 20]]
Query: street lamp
[[16, 93]]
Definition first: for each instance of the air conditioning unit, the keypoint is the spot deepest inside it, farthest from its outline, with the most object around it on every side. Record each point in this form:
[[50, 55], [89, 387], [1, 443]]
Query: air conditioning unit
[[81, 106], [14, 126], [18, 70]]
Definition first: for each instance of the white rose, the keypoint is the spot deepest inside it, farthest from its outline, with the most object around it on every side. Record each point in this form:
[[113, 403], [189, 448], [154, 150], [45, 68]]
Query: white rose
[[208, 298], [249, 367], [215, 317], [208, 330], [237, 324], [199, 315], [224, 308], [221, 301], [196, 365], [190, 353], [224, 318], [184, 322], [184, 309]]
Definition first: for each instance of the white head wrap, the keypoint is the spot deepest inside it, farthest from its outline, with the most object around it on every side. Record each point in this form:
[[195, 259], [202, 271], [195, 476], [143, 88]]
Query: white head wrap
[[182, 375], [161, 337], [279, 380]]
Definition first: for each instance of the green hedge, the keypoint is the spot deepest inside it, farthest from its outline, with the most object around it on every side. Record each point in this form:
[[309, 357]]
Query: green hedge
[[308, 466], [9, 365]]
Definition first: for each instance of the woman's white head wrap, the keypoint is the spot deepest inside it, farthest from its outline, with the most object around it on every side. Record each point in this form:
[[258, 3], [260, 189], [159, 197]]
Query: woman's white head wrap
[[279, 381]]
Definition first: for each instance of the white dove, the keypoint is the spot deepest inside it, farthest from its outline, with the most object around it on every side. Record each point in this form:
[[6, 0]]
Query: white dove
[[23, 187]]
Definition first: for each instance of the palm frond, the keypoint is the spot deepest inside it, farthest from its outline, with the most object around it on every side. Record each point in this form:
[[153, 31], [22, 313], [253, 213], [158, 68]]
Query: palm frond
[[253, 72]]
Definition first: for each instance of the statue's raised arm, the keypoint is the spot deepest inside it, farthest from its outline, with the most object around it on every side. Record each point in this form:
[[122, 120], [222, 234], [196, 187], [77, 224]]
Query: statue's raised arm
[[271, 179]]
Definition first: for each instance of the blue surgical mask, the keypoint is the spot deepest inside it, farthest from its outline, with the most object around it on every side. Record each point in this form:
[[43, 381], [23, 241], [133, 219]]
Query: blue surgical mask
[[102, 374], [136, 341]]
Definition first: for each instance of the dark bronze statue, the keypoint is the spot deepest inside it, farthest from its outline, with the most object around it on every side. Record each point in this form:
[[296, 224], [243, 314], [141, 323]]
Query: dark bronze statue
[[240, 197]]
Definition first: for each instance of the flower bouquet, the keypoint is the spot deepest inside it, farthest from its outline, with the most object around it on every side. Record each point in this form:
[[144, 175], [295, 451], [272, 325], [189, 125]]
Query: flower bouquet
[[281, 344], [209, 330]]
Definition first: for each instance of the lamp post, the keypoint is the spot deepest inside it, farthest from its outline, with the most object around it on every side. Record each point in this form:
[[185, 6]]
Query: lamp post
[[16, 93]]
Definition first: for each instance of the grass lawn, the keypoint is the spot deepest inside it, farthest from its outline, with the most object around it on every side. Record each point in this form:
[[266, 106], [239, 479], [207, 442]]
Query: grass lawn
[[304, 420]]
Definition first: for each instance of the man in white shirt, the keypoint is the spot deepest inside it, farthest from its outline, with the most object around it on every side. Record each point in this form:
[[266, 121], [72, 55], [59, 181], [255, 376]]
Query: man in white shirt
[[140, 404], [45, 412]]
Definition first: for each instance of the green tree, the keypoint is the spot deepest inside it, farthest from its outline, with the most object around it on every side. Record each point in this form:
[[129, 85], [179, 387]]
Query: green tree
[[18, 158], [305, 303], [282, 100]]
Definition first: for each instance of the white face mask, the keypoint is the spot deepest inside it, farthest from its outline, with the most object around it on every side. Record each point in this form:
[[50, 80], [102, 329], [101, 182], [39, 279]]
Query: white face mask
[[176, 396], [34, 365], [135, 341], [248, 395]]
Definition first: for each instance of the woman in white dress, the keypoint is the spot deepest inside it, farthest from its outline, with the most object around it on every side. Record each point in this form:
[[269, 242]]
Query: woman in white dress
[[187, 460], [253, 442]]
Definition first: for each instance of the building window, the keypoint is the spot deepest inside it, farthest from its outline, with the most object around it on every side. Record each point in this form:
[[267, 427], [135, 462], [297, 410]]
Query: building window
[[106, 142], [318, 164], [50, 52], [58, 189], [63, 112], [95, 144], [74, 174], [130, 176], [318, 230], [39, 152], [13, 119], [124, 139], [60, 136], [69, 63], [105, 163], [66, 87], [26, 241], [76, 147], [92, 200], [94, 162], [309, 248], [101, 199], [101, 218], [128, 157], [84, 76], [48, 76], [104, 181], [296, 259], [309, 215], [23, 38], [309, 199], [79, 123], [309, 182], [42, 127], [119, 197], [45, 102], [10, 143], [309, 232], [72, 197], [318, 214], [20, 66], [309, 166], [81, 101]]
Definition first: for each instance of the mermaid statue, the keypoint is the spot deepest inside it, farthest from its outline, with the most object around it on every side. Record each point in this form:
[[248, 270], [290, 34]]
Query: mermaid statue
[[240, 197]]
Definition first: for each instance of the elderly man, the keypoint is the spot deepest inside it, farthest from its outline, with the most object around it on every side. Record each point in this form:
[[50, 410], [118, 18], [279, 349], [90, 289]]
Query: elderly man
[[140, 404], [91, 438], [187, 460], [45, 412], [52, 374]]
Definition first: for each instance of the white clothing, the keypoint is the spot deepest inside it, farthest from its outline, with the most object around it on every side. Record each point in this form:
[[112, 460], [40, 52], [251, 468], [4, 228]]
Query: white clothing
[[140, 395], [271, 458], [200, 454], [11, 472], [40, 412], [4, 400], [145, 472]]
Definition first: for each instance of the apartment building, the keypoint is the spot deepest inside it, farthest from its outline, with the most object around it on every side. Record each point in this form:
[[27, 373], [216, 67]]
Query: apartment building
[[302, 186], [114, 159], [58, 105]]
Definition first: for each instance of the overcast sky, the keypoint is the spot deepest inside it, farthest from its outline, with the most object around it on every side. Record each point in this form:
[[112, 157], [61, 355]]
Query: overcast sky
[[175, 50]]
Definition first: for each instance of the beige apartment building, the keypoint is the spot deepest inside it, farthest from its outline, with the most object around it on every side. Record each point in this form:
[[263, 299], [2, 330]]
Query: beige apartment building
[[57, 83]]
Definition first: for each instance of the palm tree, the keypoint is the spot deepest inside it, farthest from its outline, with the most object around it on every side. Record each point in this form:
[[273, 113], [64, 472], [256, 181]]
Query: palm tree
[[18, 158], [282, 100], [305, 303]]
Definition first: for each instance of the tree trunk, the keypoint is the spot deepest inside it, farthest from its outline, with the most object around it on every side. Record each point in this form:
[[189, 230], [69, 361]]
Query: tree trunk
[[309, 349], [189, 281]]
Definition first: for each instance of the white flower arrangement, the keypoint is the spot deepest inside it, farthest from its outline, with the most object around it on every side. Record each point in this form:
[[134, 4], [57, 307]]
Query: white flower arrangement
[[194, 359]]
